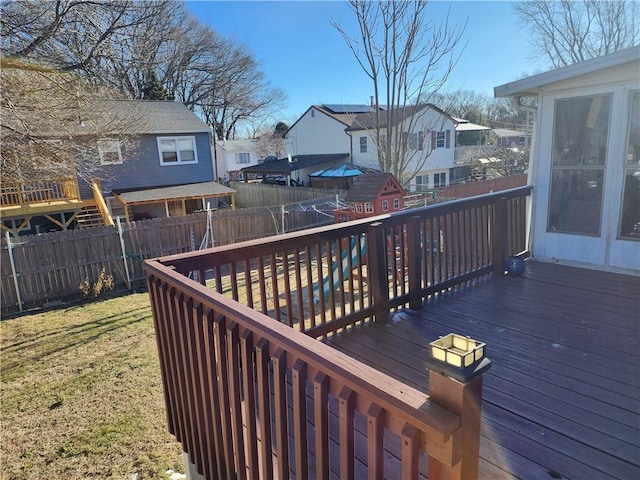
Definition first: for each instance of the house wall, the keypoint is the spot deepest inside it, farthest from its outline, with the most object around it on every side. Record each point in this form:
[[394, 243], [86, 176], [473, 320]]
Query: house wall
[[437, 160], [317, 133], [604, 250], [141, 167], [228, 166]]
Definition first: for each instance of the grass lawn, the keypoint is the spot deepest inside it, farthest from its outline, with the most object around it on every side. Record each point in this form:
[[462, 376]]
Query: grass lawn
[[81, 394]]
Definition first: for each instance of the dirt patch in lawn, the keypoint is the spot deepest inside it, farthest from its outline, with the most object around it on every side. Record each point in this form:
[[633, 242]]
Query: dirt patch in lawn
[[82, 396]]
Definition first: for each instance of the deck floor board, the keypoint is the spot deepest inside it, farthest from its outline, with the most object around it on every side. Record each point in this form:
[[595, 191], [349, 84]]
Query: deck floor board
[[563, 394]]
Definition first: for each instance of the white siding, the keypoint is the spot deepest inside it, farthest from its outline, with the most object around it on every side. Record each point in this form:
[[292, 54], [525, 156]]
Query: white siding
[[437, 160], [317, 133]]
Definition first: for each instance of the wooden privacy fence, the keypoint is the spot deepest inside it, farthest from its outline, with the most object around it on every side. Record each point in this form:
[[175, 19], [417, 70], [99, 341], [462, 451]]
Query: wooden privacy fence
[[42, 270], [259, 194]]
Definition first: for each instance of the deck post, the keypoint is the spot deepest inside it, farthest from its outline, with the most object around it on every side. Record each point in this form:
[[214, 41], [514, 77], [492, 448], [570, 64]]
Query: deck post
[[377, 263], [465, 399], [414, 264], [500, 226]]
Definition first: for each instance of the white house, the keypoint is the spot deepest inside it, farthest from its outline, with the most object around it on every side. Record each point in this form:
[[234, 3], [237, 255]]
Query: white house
[[232, 155], [585, 161], [321, 130], [429, 134]]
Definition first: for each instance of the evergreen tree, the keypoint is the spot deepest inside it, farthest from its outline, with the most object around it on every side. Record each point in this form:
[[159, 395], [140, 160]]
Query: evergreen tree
[[154, 90]]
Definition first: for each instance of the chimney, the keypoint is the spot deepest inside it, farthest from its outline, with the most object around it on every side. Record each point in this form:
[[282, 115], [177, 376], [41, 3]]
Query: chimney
[[371, 97]]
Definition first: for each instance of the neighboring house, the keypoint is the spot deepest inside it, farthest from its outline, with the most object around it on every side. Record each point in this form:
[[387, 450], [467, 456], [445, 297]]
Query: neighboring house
[[325, 129], [430, 139], [321, 130], [172, 149], [293, 170], [167, 155], [372, 194], [231, 156], [585, 161], [507, 138]]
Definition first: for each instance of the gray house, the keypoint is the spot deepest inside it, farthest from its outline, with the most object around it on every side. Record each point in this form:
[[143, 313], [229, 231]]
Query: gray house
[[164, 169]]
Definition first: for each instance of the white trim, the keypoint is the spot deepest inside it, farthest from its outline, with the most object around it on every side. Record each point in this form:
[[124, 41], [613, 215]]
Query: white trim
[[109, 145], [531, 85], [175, 139]]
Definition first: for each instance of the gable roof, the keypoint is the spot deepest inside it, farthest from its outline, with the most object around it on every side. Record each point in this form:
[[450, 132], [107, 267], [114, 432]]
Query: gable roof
[[367, 121], [343, 113], [150, 116], [283, 166], [243, 145], [531, 85], [367, 187]]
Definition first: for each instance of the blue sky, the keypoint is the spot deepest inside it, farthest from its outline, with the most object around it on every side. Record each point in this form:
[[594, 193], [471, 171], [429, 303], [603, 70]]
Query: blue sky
[[303, 54]]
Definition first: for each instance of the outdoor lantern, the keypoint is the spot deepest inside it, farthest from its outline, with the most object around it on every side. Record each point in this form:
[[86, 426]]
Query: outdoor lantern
[[458, 357]]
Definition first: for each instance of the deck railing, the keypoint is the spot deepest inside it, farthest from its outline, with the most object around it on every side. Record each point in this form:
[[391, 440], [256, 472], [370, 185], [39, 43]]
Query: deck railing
[[247, 394], [39, 191], [325, 279]]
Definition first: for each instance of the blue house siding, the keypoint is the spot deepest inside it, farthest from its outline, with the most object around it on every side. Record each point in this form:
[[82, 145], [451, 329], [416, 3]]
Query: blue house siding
[[141, 167]]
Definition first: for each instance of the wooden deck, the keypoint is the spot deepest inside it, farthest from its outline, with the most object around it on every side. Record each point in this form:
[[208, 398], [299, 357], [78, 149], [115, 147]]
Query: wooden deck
[[562, 399]]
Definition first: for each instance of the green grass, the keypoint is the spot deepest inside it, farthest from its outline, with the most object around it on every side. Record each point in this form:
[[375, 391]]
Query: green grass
[[82, 396]]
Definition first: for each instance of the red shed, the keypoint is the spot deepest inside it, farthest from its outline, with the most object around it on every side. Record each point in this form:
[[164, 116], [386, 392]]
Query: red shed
[[372, 194]]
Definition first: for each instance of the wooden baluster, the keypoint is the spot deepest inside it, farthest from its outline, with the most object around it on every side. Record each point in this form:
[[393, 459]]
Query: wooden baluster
[[321, 421]]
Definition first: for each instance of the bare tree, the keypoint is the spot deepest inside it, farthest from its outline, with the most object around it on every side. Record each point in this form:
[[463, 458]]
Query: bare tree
[[124, 44], [271, 141], [568, 32], [52, 123], [408, 59]]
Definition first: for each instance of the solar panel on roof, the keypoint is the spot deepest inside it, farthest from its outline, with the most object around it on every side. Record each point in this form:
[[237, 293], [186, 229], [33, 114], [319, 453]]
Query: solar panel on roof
[[347, 108]]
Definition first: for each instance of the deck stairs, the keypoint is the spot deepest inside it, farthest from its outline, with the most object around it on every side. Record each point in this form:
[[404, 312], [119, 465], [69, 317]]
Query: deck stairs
[[89, 216]]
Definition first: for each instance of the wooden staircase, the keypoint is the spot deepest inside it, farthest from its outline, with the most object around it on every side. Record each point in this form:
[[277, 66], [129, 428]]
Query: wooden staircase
[[89, 216]]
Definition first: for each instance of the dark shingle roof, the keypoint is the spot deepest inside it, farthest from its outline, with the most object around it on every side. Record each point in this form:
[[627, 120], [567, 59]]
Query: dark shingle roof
[[367, 187], [367, 121], [282, 166]]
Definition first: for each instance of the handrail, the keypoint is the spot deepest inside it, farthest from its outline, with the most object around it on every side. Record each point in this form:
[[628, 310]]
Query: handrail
[[233, 375], [206, 344], [434, 248], [101, 204], [40, 191]]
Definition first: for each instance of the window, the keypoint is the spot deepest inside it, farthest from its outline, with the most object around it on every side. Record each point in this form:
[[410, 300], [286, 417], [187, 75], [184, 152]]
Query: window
[[415, 141], [440, 179], [422, 183], [396, 203], [243, 158], [363, 144], [368, 207], [440, 136], [580, 140], [109, 152], [385, 205], [353, 207], [630, 215], [177, 150], [358, 207]]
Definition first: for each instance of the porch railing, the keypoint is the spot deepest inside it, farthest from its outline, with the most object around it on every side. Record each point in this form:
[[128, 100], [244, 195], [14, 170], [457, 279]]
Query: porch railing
[[249, 396], [325, 279], [39, 191]]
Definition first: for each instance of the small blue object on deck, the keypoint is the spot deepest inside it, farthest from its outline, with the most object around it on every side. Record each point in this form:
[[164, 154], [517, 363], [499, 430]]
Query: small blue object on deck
[[515, 265]]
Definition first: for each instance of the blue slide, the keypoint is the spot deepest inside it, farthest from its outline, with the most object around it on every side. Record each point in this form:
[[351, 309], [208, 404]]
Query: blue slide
[[356, 254]]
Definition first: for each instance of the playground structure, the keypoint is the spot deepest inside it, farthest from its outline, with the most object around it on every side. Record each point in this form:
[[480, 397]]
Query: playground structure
[[356, 255]]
